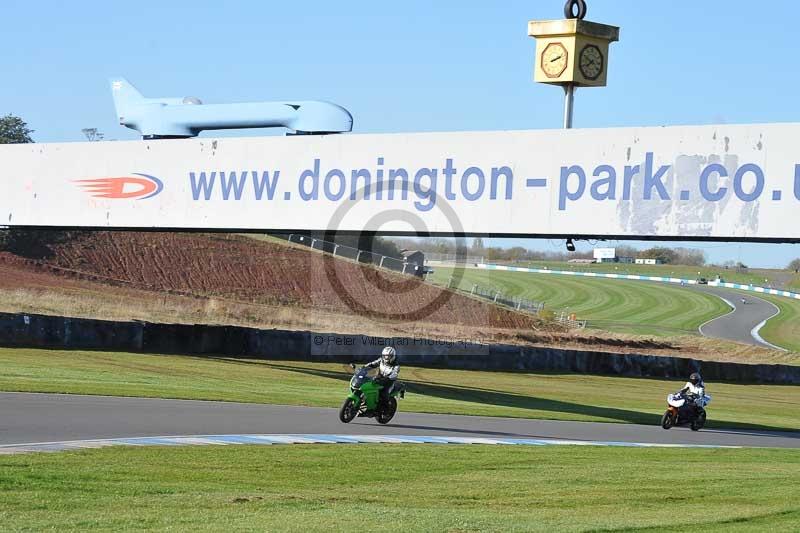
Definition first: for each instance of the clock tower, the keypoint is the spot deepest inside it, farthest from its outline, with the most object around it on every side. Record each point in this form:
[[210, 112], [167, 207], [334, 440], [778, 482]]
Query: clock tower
[[572, 52]]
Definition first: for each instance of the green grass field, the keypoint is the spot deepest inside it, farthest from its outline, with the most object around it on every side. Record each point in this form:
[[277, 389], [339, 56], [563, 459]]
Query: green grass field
[[546, 396], [755, 276], [645, 308], [401, 488]]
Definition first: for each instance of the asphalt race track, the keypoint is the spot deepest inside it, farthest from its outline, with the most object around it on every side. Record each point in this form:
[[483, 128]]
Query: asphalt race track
[[738, 325], [27, 418]]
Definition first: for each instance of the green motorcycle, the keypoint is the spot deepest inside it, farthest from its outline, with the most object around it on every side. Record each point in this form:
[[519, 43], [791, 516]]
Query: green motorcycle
[[364, 398]]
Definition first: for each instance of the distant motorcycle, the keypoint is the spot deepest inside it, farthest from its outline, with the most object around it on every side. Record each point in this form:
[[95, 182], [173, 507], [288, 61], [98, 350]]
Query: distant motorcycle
[[364, 398], [685, 409]]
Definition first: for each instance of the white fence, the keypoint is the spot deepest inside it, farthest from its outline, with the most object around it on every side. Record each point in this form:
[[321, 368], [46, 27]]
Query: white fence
[[636, 277]]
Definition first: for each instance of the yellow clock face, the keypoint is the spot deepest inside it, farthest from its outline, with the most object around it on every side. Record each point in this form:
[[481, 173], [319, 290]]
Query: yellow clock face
[[591, 62], [554, 60]]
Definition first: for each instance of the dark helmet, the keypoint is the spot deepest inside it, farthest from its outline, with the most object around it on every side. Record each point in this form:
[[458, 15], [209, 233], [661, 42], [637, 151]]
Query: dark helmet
[[695, 379], [389, 355]]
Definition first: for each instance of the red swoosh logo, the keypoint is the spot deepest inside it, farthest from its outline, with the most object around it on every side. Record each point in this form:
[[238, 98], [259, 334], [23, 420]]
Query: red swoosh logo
[[119, 188]]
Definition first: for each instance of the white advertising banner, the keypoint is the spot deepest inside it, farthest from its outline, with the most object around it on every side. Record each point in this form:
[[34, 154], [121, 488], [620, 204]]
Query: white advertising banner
[[724, 182], [605, 253]]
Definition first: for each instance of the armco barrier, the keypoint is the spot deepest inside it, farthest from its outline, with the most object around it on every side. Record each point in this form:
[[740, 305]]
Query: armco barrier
[[21, 330], [762, 290]]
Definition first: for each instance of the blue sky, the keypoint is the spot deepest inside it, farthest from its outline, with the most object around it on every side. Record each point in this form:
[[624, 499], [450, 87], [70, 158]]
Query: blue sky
[[410, 66]]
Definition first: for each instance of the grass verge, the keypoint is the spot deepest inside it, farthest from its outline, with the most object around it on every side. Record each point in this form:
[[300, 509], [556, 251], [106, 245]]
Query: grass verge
[[512, 394], [641, 308], [784, 329], [401, 488]]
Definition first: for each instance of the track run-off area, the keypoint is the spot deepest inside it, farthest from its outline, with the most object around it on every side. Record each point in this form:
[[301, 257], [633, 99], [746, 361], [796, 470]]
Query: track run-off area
[[31, 422]]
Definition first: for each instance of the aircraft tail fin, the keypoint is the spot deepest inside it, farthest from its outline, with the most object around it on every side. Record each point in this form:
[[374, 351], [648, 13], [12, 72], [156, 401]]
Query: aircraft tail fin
[[124, 94]]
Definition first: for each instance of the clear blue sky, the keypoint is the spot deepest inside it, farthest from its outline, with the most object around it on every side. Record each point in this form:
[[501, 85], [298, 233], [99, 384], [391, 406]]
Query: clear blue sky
[[404, 66]]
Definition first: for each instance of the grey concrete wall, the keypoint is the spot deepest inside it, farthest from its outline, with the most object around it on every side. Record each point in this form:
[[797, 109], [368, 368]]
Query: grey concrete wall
[[75, 333]]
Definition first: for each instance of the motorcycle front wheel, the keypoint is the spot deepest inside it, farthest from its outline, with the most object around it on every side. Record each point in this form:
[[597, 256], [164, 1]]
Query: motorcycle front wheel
[[348, 411], [667, 421], [387, 413], [699, 422]]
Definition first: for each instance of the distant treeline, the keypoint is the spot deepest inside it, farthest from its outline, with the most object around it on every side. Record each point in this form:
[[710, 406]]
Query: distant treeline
[[675, 256]]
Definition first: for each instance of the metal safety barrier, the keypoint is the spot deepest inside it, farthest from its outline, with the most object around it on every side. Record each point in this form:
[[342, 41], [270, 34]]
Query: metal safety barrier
[[361, 256]]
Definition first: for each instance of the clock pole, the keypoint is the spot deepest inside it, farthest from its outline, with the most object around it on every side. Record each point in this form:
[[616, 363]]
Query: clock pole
[[570, 9], [569, 100]]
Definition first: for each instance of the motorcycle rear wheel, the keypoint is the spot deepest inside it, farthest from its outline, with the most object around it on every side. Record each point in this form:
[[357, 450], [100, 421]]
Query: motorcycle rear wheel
[[667, 421], [348, 411], [388, 411]]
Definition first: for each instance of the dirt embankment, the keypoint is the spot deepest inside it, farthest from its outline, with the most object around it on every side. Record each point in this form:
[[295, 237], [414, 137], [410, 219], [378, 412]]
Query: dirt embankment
[[248, 271], [219, 279]]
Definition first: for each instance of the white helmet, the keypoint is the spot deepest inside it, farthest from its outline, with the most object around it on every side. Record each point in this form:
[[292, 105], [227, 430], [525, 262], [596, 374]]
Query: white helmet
[[389, 355]]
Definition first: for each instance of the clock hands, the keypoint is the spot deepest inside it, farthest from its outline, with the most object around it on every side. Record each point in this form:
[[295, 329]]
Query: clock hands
[[556, 59]]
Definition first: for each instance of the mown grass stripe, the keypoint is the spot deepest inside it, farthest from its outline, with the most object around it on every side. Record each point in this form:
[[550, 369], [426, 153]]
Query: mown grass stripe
[[644, 308]]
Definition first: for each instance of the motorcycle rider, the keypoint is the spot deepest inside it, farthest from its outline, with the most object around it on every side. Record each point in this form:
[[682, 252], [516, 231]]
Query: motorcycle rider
[[695, 388], [695, 385], [388, 370]]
